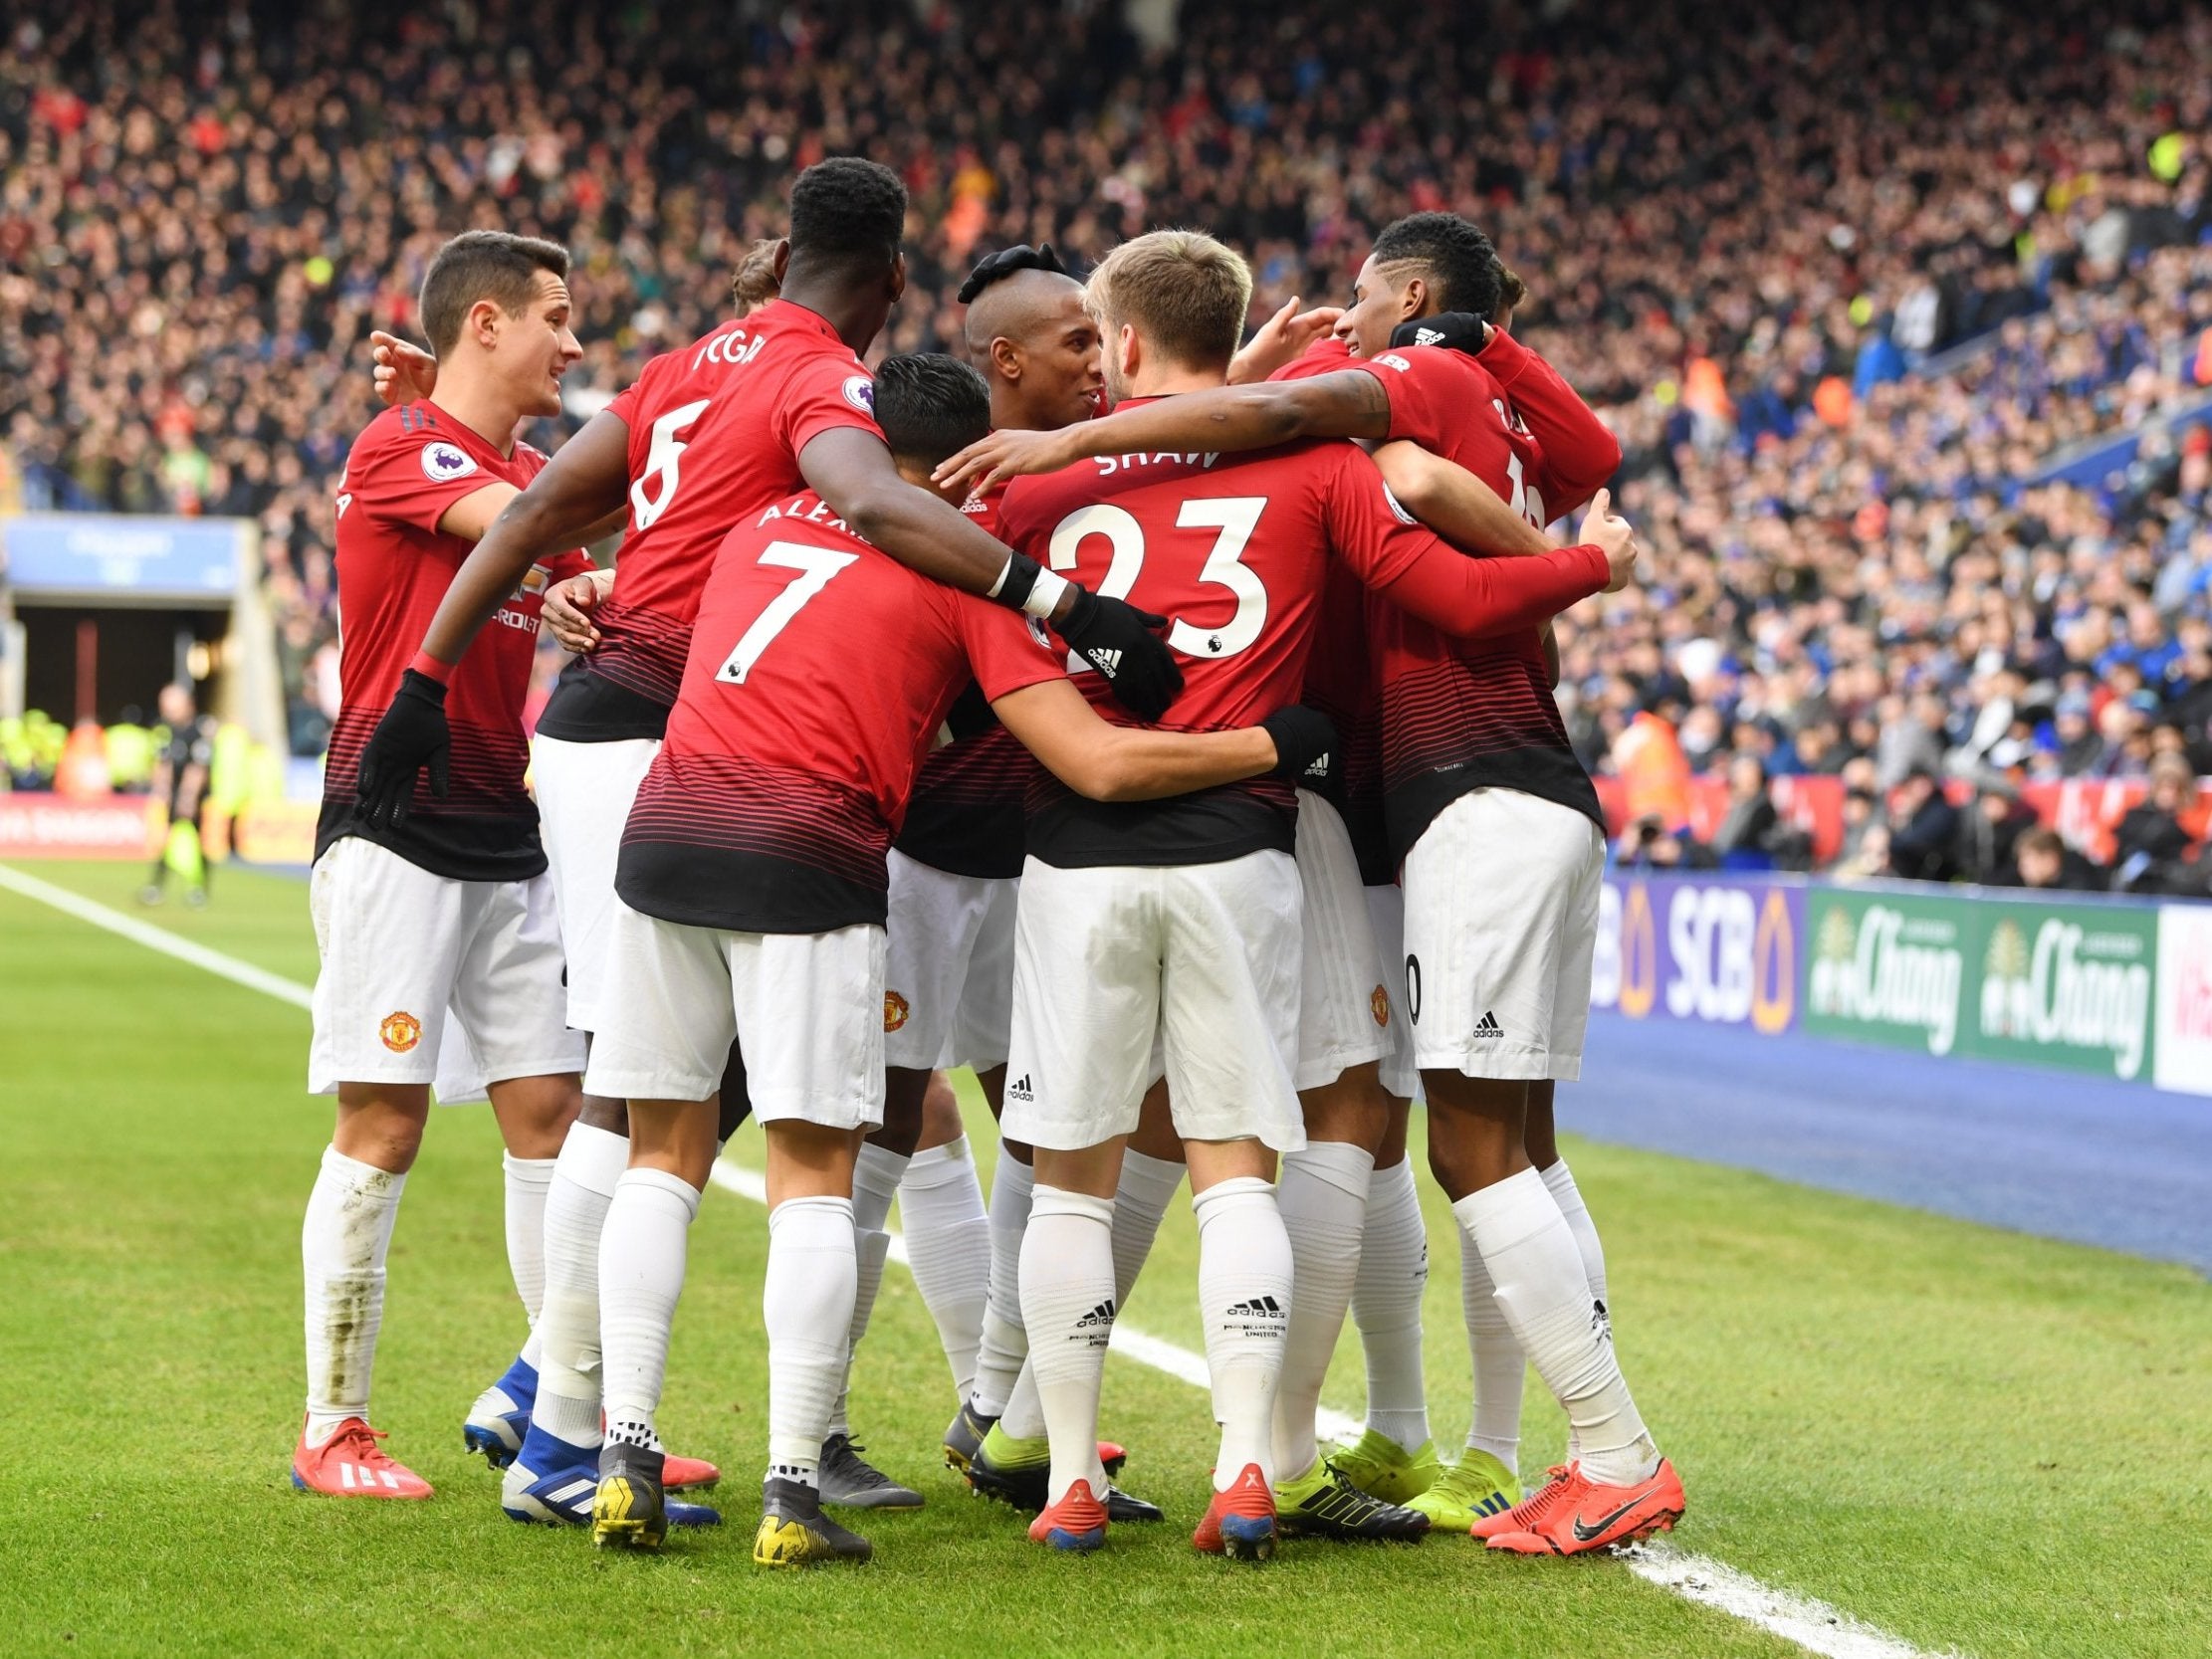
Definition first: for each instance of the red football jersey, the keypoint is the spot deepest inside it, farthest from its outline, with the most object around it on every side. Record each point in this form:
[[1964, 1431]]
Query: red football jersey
[[393, 570], [819, 674], [966, 815], [1233, 550], [1465, 714], [716, 432]]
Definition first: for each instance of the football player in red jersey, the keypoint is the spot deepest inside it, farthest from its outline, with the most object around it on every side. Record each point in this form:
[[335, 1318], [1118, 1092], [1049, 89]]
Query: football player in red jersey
[[1495, 824], [432, 911], [1185, 915], [753, 889]]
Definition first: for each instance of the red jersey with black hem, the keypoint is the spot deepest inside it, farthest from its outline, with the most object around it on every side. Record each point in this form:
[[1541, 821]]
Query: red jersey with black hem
[[819, 674], [1461, 713], [966, 815], [716, 432], [1234, 551], [1342, 682], [393, 568]]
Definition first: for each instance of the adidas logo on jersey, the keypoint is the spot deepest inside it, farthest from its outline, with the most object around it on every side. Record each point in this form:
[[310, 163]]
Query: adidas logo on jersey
[[1019, 1089], [1428, 337], [1103, 1313], [1487, 1029]]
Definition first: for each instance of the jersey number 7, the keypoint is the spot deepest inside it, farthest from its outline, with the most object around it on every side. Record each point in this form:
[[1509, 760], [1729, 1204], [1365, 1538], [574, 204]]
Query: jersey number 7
[[816, 565]]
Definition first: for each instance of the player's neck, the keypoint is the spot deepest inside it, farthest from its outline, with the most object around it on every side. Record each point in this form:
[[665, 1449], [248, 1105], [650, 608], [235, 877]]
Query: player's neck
[[1166, 381], [472, 395], [854, 316]]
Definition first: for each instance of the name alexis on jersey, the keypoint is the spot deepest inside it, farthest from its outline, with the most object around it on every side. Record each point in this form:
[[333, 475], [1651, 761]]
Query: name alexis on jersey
[[1109, 465]]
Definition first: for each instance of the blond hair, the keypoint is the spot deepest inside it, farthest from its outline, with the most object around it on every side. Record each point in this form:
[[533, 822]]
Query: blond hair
[[754, 285], [1183, 292]]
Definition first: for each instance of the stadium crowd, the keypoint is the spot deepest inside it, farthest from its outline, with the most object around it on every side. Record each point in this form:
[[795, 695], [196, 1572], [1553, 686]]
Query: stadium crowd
[[1744, 238]]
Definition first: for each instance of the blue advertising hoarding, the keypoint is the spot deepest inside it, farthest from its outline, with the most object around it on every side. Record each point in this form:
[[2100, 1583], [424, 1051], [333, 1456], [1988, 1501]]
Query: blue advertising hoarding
[[94, 556], [1725, 951]]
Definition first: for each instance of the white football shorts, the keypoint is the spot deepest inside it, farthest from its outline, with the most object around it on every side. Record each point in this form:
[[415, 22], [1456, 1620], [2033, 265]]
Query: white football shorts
[[584, 794], [1386, 915], [1501, 920], [1344, 1008], [807, 1010], [402, 950], [1205, 956], [947, 978]]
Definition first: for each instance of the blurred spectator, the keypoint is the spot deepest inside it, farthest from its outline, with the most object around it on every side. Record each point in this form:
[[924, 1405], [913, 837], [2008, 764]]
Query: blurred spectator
[[1989, 832], [1923, 830], [2154, 839], [2043, 860]]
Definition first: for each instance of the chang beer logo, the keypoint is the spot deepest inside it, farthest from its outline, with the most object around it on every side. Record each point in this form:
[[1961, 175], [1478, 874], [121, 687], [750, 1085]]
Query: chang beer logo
[[2069, 988], [1886, 969]]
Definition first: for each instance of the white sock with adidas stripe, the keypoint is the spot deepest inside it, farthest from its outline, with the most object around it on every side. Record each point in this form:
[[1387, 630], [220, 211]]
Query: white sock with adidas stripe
[[1386, 1305], [1004, 1344], [807, 1307], [1067, 1307], [1323, 1199], [643, 1251], [948, 1247], [1245, 1277]]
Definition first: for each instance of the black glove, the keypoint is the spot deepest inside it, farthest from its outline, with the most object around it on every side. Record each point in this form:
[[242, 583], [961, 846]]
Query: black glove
[[1453, 330], [992, 268], [1123, 643], [1305, 745], [412, 734]]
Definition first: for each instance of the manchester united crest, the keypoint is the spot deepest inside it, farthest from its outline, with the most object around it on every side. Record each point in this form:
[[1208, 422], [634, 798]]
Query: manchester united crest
[[1378, 1002], [894, 1010], [400, 1032]]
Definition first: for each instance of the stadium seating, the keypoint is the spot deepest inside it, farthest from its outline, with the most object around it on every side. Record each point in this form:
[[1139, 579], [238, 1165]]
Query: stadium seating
[[1844, 342]]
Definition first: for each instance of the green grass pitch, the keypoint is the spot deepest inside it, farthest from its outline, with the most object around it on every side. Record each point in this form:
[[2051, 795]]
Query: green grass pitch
[[1974, 1440]]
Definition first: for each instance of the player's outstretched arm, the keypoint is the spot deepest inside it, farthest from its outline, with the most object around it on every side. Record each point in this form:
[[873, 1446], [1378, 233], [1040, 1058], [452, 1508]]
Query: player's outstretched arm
[[583, 492], [1456, 504], [1111, 762], [853, 472], [1350, 403]]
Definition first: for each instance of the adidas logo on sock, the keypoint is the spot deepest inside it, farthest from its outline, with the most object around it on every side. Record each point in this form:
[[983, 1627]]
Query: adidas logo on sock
[[1019, 1089], [1487, 1028], [1259, 1306], [1103, 1313]]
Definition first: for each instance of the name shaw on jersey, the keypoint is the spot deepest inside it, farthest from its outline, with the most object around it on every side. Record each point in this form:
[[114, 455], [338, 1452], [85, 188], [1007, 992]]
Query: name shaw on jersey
[[1109, 465]]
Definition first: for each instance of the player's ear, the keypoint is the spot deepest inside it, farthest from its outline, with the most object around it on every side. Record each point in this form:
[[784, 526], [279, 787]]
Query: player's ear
[[1130, 351], [897, 274], [782, 259], [485, 317], [1414, 301], [1006, 358]]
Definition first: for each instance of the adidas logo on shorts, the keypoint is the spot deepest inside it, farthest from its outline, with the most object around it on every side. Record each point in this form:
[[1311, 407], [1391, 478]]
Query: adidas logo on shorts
[[1487, 1029], [1019, 1090]]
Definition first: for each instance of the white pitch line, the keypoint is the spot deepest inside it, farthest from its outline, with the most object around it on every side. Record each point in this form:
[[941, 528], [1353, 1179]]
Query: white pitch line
[[158, 938], [1810, 1624]]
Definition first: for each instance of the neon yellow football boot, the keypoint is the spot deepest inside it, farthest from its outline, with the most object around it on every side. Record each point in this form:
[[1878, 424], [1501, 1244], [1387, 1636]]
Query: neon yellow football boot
[[1463, 1493], [1381, 1468]]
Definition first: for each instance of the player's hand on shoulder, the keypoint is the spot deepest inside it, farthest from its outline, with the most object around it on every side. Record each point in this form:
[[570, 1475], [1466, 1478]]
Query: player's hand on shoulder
[[412, 734], [568, 608], [1281, 339], [1124, 645], [1607, 530], [403, 373], [988, 462], [1453, 330], [1306, 747]]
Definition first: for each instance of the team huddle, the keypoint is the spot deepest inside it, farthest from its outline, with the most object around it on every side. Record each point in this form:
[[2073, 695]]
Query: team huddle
[[1189, 771]]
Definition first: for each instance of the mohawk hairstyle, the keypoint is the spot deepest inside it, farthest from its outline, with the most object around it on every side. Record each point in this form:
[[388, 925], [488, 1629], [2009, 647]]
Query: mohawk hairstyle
[[997, 268], [847, 209], [1461, 263], [929, 406]]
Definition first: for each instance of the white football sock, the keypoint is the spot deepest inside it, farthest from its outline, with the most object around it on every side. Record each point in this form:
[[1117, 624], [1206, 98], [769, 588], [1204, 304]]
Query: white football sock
[[1540, 1284], [1141, 1199], [1561, 1181], [1004, 1344], [529, 1179], [1500, 1369], [1386, 1305], [642, 1255], [1245, 1276], [875, 1182], [591, 1161], [869, 1252], [1323, 1199], [806, 1307], [948, 1247], [1067, 1305], [342, 1245], [1568, 1197]]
